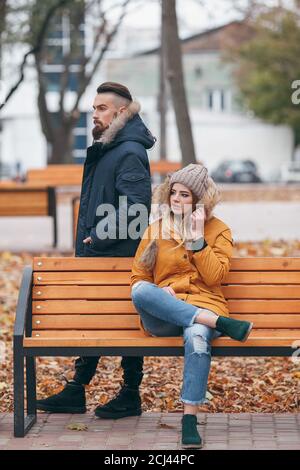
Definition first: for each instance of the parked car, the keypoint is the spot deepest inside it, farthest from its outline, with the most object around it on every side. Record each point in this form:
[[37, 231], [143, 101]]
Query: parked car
[[290, 172], [236, 171]]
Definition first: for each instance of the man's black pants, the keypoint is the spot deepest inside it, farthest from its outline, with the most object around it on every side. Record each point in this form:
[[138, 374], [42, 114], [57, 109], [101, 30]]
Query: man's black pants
[[85, 368]]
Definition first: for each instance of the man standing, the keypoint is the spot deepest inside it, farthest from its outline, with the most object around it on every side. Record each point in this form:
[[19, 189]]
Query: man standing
[[116, 165]]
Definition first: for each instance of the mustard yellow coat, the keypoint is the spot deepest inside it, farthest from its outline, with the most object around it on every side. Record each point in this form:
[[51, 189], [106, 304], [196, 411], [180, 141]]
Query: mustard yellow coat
[[195, 277]]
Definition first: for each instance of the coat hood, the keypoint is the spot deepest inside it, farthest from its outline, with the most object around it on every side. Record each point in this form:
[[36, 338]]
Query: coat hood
[[128, 126]]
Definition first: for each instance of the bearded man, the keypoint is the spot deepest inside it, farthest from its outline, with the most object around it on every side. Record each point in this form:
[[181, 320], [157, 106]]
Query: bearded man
[[116, 166]]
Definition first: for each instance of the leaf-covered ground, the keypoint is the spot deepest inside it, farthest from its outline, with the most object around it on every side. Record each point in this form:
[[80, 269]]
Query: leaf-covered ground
[[235, 384]]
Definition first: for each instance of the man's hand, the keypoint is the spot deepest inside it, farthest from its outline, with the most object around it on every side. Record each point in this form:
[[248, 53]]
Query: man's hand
[[87, 240], [169, 290]]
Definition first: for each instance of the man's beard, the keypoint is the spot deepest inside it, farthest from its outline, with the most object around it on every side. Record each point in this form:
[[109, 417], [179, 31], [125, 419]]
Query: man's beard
[[100, 128], [98, 131]]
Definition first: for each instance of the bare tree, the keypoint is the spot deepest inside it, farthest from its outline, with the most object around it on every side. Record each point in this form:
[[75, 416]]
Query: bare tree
[[43, 17], [38, 42], [3, 8], [176, 80], [59, 135], [162, 98]]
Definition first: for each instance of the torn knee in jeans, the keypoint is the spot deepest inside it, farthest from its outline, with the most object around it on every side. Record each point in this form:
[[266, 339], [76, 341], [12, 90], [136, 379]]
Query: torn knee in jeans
[[200, 345]]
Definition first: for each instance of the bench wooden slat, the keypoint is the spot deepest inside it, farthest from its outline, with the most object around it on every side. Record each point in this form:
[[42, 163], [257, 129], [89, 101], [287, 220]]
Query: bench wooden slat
[[83, 278], [164, 166], [264, 306], [281, 291], [81, 292], [125, 264], [104, 334], [23, 203], [71, 175], [269, 277], [125, 306], [257, 338], [117, 322], [83, 306], [124, 292], [121, 278], [57, 175], [81, 264]]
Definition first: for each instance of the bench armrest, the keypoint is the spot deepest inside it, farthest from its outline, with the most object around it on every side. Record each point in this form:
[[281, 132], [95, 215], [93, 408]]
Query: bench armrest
[[24, 302]]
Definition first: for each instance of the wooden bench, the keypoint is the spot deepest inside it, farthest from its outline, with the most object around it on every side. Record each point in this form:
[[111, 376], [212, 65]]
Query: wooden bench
[[56, 175], [71, 175], [82, 306], [22, 199]]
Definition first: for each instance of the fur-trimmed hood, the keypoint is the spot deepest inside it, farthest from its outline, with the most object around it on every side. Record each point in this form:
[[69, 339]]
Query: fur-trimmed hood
[[128, 126]]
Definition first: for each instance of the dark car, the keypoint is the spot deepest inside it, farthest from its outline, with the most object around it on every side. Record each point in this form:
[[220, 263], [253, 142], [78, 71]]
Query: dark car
[[236, 171]]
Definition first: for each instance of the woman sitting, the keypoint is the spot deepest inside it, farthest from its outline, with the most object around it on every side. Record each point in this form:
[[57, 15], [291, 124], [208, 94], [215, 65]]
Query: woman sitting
[[177, 273]]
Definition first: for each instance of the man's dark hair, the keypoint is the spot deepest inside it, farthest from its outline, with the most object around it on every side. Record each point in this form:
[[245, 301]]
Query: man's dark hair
[[117, 88]]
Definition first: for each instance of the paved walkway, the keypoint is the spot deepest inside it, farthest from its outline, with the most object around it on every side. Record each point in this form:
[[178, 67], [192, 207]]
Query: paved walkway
[[156, 431], [248, 220]]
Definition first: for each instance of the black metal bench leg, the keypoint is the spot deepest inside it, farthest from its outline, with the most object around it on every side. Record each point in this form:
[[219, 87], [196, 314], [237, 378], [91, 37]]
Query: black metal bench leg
[[23, 423], [55, 231], [19, 419], [52, 212], [31, 387]]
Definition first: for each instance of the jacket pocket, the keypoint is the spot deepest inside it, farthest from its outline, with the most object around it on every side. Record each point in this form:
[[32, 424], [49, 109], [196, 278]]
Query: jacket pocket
[[133, 177]]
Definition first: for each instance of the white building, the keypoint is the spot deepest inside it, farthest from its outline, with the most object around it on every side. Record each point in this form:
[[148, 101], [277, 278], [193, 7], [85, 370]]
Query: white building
[[221, 129]]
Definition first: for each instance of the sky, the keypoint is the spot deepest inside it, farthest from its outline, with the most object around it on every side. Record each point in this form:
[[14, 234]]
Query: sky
[[192, 16]]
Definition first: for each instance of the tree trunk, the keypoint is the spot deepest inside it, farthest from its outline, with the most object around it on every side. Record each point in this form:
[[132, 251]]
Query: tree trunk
[[162, 99], [61, 148], [176, 81]]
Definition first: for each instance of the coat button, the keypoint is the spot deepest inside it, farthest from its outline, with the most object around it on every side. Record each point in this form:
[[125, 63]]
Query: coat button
[[185, 256]]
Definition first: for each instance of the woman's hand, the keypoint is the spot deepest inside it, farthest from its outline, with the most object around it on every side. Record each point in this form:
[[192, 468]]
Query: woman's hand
[[169, 290], [197, 223]]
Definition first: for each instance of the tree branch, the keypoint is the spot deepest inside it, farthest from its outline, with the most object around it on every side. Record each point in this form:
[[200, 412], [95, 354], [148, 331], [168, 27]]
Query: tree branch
[[87, 78], [36, 48]]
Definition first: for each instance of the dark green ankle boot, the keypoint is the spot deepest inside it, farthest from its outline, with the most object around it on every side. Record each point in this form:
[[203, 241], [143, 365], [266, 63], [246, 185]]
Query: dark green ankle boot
[[236, 329], [190, 437]]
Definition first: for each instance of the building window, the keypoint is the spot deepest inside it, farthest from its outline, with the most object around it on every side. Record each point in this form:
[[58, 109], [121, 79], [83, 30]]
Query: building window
[[64, 41], [219, 100], [80, 139]]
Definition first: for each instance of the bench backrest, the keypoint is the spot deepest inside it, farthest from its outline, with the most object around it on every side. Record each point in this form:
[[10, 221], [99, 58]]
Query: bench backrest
[[84, 297], [56, 175], [24, 200], [71, 175]]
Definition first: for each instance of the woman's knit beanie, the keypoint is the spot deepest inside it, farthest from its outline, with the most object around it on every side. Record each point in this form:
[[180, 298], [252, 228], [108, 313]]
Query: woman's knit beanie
[[194, 177]]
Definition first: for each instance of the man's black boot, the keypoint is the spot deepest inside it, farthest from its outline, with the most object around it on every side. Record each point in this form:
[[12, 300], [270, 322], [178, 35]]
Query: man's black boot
[[70, 400], [126, 403]]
